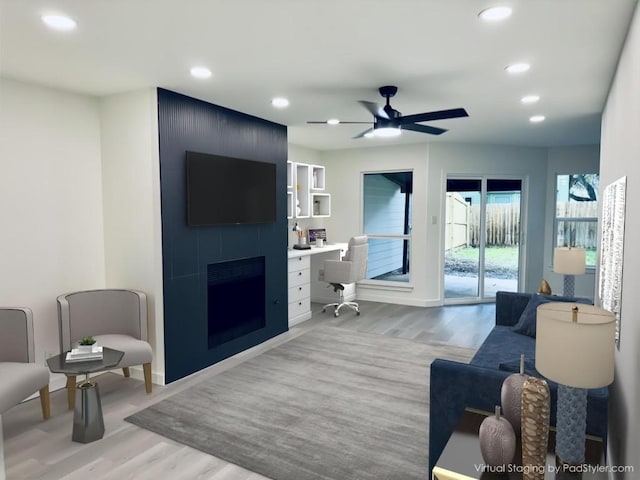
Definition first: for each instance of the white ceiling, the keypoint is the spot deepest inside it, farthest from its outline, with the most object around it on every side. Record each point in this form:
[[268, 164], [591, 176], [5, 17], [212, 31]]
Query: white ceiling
[[324, 55]]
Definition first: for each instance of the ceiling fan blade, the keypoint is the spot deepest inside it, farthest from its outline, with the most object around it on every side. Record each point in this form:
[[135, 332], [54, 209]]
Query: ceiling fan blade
[[324, 122], [375, 109], [430, 116], [362, 134], [424, 129]]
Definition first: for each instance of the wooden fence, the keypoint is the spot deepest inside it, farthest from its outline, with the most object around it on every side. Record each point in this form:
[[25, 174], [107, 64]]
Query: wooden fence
[[503, 224]]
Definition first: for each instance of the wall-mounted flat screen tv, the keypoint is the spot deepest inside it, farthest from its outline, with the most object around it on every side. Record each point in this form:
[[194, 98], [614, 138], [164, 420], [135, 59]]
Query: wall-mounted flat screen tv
[[226, 190]]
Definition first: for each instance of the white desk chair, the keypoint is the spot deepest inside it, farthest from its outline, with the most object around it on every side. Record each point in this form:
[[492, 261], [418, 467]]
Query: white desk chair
[[351, 269]]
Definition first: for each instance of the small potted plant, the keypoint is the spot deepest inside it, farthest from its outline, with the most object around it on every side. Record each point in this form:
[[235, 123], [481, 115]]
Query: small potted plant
[[86, 344]]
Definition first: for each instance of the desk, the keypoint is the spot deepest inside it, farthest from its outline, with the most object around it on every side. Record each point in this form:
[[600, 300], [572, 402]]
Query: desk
[[462, 456], [88, 424], [304, 287]]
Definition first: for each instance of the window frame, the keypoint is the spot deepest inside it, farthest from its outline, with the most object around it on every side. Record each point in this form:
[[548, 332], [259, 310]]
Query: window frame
[[557, 220], [393, 284]]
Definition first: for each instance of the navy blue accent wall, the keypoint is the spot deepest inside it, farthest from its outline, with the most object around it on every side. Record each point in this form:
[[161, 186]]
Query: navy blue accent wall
[[185, 124]]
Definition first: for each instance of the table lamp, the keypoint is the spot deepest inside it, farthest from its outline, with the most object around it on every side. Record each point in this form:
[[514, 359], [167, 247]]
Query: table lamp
[[569, 261], [575, 348]]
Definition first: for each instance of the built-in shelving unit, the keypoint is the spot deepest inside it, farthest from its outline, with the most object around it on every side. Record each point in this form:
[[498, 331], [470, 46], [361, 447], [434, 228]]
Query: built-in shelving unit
[[305, 191], [317, 177], [321, 204]]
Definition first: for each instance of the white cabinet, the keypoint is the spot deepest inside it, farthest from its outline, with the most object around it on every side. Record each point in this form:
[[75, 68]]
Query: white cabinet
[[305, 191], [299, 278]]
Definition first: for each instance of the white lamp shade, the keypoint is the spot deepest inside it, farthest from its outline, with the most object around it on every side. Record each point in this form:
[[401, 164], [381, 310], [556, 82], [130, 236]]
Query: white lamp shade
[[569, 260], [577, 354]]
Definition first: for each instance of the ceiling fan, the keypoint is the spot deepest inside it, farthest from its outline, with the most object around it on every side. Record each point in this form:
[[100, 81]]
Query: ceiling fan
[[388, 122]]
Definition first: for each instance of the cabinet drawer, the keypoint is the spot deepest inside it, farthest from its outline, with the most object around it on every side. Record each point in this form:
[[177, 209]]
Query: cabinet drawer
[[298, 292], [299, 277], [299, 263], [299, 307]]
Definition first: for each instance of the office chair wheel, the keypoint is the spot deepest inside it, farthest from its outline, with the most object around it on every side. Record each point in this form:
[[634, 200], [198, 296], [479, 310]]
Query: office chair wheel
[[358, 312], [336, 314]]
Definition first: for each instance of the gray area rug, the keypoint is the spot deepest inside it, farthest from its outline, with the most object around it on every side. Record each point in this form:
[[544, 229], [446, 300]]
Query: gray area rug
[[331, 404]]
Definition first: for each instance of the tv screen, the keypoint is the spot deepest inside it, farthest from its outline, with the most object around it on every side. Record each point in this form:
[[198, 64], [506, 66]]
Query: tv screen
[[225, 190]]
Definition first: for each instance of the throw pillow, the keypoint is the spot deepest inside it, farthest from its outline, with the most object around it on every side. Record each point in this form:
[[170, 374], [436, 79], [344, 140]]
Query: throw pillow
[[527, 323]]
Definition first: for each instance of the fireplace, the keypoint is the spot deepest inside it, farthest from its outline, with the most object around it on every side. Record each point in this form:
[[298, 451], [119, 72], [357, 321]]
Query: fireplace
[[235, 299]]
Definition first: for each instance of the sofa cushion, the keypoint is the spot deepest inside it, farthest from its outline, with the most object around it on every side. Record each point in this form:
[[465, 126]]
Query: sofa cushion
[[502, 345], [527, 323]]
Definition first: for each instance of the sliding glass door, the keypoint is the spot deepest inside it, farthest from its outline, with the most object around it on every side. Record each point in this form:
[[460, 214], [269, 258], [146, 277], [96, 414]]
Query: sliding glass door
[[482, 237]]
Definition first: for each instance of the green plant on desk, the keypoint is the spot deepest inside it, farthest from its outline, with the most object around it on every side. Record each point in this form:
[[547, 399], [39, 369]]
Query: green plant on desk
[[87, 341]]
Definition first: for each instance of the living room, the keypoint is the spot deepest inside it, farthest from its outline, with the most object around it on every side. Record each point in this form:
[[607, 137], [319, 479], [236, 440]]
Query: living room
[[81, 199]]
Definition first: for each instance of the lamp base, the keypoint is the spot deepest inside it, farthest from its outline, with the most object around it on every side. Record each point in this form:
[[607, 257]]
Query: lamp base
[[571, 425], [569, 285]]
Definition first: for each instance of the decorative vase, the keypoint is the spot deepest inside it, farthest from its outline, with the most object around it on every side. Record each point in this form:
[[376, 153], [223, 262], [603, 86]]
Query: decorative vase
[[511, 396], [545, 288], [535, 428], [84, 348], [497, 440]]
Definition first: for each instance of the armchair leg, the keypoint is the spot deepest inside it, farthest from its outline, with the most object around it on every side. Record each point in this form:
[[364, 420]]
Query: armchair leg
[[147, 377], [44, 402], [126, 372], [71, 391]]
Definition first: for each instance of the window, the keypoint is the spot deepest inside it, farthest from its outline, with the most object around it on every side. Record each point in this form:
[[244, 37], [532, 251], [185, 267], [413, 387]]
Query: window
[[576, 222], [387, 201]]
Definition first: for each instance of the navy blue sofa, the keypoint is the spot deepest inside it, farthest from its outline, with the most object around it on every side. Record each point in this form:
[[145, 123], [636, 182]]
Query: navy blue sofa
[[455, 386]]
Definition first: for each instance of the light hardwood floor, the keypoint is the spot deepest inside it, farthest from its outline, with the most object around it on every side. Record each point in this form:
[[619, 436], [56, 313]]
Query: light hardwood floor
[[37, 449]]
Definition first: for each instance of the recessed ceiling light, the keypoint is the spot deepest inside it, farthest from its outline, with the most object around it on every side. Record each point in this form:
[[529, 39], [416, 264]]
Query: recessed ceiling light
[[59, 22], [387, 132], [200, 72], [537, 118], [517, 67], [530, 99], [280, 102], [495, 14], [333, 121]]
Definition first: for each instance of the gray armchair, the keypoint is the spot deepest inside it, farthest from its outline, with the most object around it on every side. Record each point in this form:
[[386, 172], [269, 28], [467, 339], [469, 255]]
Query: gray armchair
[[20, 376], [116, 318], [351, 269]]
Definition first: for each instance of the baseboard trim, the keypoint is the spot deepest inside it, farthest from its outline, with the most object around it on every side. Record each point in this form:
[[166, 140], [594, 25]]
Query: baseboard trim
[[397, 300]]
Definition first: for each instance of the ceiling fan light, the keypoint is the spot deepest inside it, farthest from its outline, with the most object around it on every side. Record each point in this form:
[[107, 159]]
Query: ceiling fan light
[[387, 132], [495, 14], [333, 121], [537, 118]]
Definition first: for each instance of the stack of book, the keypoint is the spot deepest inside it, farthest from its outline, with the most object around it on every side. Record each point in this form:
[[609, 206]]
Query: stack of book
[[82, 355]]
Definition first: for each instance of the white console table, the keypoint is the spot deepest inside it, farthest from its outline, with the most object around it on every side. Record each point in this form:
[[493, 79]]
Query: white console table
[[304, 286]]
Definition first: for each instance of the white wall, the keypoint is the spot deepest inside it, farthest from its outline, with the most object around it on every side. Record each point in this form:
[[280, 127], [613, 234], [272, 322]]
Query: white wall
[[530, 164], [431, 163], [51, 239], [620, 156], [563, 161], [132, 221], [344, 170]]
